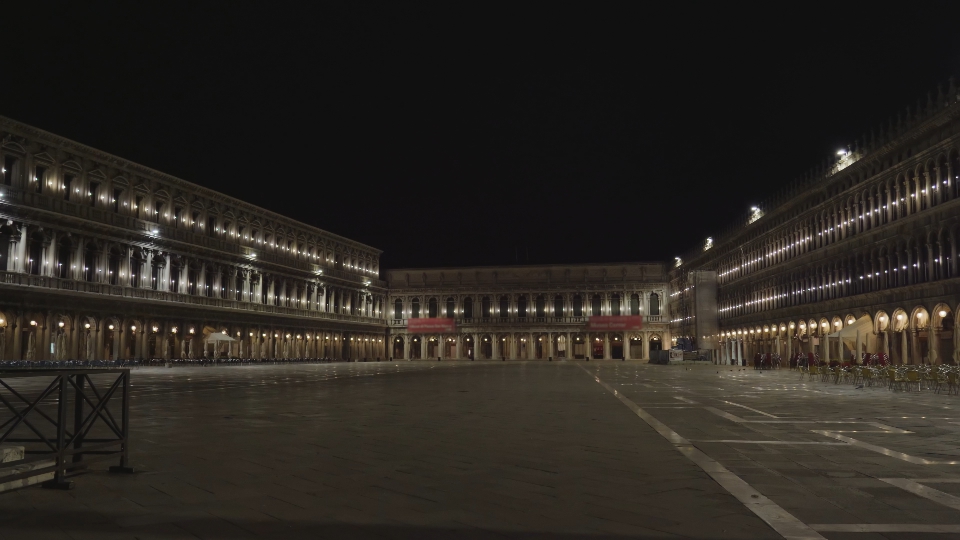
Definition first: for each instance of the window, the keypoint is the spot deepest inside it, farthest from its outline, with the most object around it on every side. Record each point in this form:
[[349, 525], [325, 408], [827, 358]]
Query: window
[[117, 195], [654, 304], [504, 306], [397, 309], [157, 208], [596, 305], [63, 259], [211, 226], [615, 305], [558, 306], [93, 192], [415, 310], [485, 307], [450, 308], [138, 203], [40, 176], [177, 216], [522, 306], [577, 306], [541, 307], [155, 277], [9, 164], [211, 284], [68, 186], [433, 308]]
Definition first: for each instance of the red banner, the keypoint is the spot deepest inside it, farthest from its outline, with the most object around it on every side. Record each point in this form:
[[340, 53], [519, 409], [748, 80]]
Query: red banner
[[443, 326], [615, 322]]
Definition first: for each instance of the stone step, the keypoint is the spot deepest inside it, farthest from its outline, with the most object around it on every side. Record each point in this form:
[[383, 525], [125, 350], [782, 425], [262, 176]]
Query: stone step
[[28, 481], [10, 453]]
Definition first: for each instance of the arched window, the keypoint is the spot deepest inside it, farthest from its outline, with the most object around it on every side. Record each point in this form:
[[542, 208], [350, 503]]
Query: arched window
[[577, 306], [397, 309], [209, 283], [485, 307], [433, 308], [522, 306], [35, 253], [64, 252], [654, 304], [541, 306], [596, 305], [558, 306], [415, 309], [504, 306], [615, 305], [468, 308], [451, 308], [113, 266], [90, 263], [634, 304], [193, 276]]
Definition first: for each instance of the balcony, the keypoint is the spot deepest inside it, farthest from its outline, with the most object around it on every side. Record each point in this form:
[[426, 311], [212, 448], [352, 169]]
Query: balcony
[[183, 234], [188, 301], [520, 321]]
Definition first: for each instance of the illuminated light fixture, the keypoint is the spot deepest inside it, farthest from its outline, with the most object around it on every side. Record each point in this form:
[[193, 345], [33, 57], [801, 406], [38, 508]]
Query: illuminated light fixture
[[943, 313], [33, 323], [900, 317], [60, 324], [87, 326]]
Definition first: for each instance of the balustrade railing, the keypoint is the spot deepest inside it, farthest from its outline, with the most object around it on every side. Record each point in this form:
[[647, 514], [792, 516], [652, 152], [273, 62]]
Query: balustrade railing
[[46, 282]]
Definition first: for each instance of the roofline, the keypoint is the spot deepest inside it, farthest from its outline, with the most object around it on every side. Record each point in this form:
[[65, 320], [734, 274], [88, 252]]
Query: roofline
[[136, 167]]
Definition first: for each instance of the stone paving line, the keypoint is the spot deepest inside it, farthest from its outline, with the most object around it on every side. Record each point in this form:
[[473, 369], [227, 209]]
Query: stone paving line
[[513, 450], [913, 437]]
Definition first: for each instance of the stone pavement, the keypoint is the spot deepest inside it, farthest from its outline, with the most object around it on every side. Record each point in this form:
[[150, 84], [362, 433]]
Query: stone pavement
[[513, 450]]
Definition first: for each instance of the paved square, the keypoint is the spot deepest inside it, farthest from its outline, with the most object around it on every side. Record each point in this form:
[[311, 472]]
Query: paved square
[[513, 450]]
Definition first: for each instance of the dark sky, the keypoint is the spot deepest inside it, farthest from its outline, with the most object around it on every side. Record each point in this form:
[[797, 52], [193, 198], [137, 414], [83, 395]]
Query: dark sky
[[481, 135]]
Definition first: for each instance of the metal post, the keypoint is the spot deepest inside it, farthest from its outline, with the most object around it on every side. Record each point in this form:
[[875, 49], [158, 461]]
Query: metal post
[[78, 418], [59, 481], [125, 429]]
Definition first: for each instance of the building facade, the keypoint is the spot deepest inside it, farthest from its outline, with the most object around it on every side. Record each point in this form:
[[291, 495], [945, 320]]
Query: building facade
[[101, 258], [527, 312], [868, 241]]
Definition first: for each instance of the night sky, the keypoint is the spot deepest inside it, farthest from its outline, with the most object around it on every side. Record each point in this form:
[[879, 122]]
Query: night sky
[[480, 135]]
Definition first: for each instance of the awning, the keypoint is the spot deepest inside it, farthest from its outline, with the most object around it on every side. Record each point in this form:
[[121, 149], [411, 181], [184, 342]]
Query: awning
[[863, 325], [217, 337]]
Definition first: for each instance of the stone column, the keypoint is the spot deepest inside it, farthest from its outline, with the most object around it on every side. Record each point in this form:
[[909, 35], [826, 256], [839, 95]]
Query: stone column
[[606, 347]]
